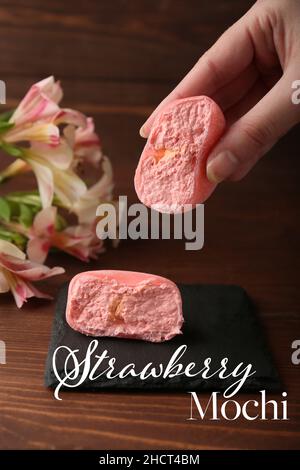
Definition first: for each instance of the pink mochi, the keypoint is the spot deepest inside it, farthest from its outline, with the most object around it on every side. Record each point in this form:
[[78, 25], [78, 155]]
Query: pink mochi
[[172, 168], [124, 304]]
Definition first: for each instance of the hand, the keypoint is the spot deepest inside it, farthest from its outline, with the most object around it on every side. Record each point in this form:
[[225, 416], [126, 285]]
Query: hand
[[249, 72]]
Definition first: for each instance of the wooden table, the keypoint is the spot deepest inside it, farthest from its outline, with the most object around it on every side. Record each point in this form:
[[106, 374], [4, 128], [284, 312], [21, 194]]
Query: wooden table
[[116, 61]]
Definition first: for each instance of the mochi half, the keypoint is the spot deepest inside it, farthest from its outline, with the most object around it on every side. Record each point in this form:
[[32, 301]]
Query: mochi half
[[172, 169], [124, 304]]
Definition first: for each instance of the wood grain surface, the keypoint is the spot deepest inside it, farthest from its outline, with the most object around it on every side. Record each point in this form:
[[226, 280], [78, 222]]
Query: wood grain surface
[[117, 60]]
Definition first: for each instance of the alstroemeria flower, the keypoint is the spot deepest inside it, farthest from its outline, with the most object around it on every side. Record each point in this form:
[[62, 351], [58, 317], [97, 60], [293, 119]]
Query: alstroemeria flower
[[85, 143], [85, 207], [39, 103], [78, 241], [51, 166], [50, 141], [38, 115], [70, 117], [16, 273]]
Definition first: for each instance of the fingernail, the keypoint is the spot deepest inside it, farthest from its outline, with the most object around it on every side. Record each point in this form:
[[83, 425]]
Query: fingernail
[[222, 166], [142, 132]]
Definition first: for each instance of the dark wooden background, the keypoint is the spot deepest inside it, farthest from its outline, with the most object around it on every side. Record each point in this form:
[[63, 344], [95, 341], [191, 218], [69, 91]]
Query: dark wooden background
[[117, 59]]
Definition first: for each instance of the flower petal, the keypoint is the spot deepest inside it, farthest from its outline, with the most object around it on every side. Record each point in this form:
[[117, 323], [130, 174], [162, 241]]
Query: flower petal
[[7, 248], [45, 182], [51, 88], [27, 269], [37, 293], [86, 210], [72, 236], [37, 249], [44, 222], [23, 290], [40, 102], [86, 135], [86, 206], [103, 188], [79, 241], [69, 187], [60, 156], [87, 144], [19, 290], [47, 133], [69, 116], [69, 134]]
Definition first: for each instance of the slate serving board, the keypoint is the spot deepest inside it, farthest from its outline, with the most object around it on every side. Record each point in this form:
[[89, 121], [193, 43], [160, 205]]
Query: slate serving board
[[220, 321]]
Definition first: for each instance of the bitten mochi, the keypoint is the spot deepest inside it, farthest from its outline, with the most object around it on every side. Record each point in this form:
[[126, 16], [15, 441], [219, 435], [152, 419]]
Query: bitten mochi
[[172, 168], [124, 304]]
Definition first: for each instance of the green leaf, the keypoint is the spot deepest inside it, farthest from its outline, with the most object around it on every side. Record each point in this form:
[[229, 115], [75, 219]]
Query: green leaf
[[26, 216], [6, 115], [31, 198], [5, 126], [6, 234], [13, 237], [4, 210], [11, 149]]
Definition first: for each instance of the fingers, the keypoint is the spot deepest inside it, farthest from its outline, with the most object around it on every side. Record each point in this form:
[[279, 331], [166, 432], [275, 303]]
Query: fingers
[[250, 137], [254, 95], [233, 92], [223, 62]]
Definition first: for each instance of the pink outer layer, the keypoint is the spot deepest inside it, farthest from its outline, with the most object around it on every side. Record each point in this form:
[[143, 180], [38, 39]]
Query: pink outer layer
[[124, 304], [186, 129]]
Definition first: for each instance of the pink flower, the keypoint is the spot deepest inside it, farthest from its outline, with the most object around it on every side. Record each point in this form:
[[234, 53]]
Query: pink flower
[[79, 241], [87, 146], [51, 167], [85, 207], [36, 120], [45, 132], [40, 103], [16, 273], [50, 141], [38, 115]]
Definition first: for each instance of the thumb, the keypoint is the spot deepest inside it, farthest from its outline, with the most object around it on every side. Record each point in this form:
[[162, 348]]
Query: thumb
[[249, 138]]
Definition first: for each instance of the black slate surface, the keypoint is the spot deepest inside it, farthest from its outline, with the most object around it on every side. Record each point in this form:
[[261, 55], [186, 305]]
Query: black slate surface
[[220, 321]]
